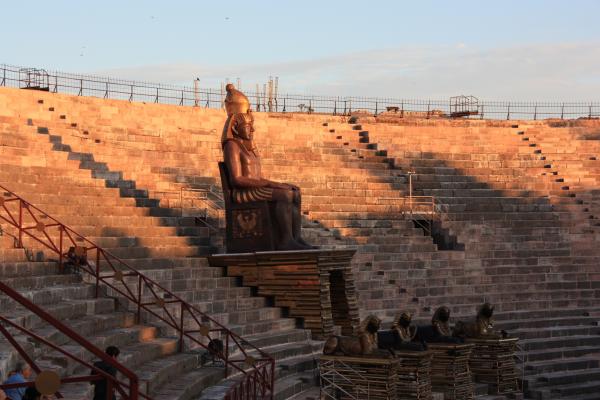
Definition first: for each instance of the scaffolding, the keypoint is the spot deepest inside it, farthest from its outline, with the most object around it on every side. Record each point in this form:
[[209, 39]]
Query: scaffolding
[[464, 106], [35, 79]]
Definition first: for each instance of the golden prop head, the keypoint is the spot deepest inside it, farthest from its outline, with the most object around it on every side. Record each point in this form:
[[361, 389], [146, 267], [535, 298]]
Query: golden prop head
[[236, 102], [238, 110]]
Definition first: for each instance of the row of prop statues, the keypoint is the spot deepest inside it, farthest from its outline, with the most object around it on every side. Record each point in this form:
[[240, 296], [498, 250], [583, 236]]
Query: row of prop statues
[[403, 336]]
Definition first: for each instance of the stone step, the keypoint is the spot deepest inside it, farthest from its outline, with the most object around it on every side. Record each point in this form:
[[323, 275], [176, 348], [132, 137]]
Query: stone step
[[51, 295], [559, 353], [530, 345], [578, 388], [292, 385], [543, 367], [564, 377]]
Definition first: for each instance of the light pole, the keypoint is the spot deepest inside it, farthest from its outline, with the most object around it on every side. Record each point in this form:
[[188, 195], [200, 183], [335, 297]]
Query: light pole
[[196, 99], [410, 200]]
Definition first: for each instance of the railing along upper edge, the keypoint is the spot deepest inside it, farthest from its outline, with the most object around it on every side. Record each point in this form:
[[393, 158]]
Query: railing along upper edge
[[105, 87]]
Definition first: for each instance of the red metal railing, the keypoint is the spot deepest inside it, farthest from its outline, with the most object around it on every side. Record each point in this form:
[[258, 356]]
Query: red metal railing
[[147, 296], [127, 391]]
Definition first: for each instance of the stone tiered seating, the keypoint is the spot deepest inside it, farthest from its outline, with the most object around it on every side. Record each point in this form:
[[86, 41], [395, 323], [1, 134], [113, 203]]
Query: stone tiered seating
[[148, 236], [526, 240]]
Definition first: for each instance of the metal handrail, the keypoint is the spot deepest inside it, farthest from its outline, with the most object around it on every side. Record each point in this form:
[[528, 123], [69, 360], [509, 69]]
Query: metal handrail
[[413, 207], [127, 391], [208, 203], [105, 87], [146, 294]]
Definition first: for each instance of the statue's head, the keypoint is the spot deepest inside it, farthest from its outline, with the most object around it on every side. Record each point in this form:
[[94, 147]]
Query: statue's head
[[486, 310], [242, 125], [240, 122], [403, 320], [371, 324], [442, 314]]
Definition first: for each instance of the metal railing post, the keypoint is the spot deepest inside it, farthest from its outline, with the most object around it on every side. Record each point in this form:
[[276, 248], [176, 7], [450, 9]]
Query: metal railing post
[[535, 112], [508, 113], [134, 388], [139, 302], [60, 247], [226, 354], [562, 111], [97, 292], [20, 224], [181, 328], [80, 87]]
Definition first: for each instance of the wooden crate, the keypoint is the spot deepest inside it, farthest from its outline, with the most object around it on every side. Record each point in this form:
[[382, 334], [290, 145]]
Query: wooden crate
[[450, 372], [493, 362], [413, 369]]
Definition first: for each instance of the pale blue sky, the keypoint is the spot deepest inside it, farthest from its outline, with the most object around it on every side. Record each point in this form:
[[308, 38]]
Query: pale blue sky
[[541, 50]]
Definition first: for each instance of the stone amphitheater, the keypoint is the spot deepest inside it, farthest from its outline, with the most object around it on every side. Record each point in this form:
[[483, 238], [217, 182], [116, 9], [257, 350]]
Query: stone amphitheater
[[518, 226]]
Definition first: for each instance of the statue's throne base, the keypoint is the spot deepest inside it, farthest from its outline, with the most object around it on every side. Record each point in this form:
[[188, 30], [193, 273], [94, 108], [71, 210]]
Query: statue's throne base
[[249, 226]]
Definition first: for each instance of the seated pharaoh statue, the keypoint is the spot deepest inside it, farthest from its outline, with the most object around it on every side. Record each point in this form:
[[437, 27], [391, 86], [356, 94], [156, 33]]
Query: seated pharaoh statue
[[247, 188]]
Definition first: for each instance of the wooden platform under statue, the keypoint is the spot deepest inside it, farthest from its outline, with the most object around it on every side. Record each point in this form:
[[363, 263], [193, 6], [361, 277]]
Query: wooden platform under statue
[[450, 372], [493, 362], [315, 285], [406, 376]]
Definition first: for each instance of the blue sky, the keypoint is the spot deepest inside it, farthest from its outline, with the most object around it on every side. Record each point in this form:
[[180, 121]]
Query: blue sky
[[541, 50]]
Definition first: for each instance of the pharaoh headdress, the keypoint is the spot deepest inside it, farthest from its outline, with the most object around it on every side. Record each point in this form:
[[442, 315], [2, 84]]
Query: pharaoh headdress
[[237, 106]]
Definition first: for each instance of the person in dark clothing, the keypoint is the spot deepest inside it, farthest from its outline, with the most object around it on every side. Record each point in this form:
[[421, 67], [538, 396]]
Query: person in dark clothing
[[31, 393], [21, 374], [101, 386]]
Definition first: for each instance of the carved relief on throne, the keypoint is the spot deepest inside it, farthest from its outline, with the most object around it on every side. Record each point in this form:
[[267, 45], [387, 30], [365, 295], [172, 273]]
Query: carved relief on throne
[[247, 223]]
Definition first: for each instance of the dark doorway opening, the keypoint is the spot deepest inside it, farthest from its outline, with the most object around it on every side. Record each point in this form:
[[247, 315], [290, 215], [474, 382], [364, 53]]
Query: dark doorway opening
[[339, 302]]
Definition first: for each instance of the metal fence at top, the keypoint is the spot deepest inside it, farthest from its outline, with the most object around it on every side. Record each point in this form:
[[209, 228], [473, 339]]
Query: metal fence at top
[[138, 91]]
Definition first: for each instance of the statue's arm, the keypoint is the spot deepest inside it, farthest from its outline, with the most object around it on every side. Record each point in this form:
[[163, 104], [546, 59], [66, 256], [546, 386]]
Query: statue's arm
[[234, 165]]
